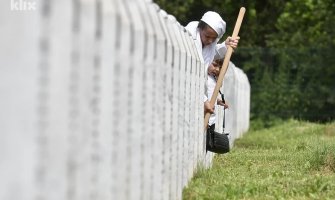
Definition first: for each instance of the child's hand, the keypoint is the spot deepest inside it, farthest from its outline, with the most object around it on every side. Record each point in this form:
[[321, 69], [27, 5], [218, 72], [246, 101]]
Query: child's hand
[[208, 108], [221, 103]]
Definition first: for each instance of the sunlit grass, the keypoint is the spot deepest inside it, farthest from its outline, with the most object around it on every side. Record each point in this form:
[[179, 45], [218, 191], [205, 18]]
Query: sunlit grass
[[293, 160]]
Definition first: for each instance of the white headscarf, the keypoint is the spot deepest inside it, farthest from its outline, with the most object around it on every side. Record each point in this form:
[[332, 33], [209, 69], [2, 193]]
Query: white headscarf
[[215, 21], [220, 51]]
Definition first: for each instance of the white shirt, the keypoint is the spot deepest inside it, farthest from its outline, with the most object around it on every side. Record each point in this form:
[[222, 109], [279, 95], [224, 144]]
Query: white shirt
[[211, 82]]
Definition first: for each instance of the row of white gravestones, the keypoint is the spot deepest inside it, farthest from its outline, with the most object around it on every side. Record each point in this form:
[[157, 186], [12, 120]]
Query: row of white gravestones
[[236, 90], [99, 100]]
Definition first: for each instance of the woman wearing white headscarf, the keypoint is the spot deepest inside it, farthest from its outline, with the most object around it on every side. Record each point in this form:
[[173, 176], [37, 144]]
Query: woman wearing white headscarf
[[206, 33]]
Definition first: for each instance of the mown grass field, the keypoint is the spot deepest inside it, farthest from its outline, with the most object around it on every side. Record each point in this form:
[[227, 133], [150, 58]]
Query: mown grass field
[[292, 160]]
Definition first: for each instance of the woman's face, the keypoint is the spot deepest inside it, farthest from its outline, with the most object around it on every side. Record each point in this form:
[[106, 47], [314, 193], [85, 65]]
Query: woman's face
[[208, 36]]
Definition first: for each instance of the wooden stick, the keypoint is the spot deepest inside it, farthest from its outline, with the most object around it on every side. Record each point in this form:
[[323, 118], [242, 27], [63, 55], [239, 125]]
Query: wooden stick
[[225, 64]]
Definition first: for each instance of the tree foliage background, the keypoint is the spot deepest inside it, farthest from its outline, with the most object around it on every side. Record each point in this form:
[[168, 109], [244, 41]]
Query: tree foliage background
[[287, 49]]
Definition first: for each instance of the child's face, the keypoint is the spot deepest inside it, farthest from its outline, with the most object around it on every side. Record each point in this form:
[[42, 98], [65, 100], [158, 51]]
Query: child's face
[[214, 68]]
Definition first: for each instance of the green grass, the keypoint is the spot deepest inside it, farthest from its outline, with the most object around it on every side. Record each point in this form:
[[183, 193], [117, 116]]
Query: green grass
[[292, 160]]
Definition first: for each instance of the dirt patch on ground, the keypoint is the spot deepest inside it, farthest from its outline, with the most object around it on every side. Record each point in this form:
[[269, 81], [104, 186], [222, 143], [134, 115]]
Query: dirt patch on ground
[[330, 130]]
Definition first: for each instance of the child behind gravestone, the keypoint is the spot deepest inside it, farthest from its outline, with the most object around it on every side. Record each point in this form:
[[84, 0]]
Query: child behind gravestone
[[213, 72]]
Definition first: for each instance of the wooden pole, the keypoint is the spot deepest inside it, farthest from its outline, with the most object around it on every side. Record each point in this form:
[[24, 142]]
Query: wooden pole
[[225, 64]]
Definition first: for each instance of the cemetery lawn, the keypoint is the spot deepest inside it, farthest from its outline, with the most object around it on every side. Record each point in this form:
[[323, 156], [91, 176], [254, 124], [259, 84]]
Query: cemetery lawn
[[291, 160]]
